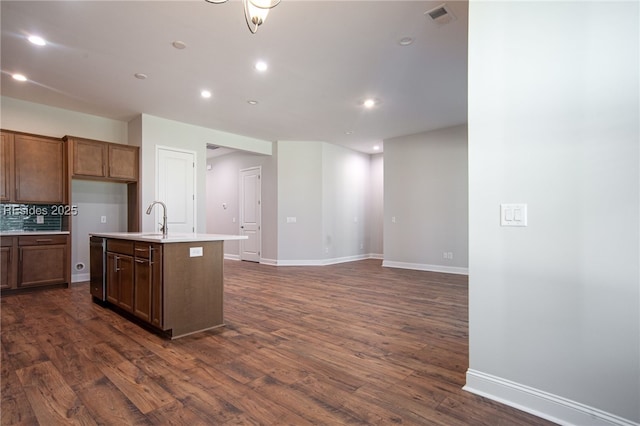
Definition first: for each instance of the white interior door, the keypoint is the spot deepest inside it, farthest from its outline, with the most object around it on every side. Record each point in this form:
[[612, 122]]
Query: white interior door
[[177, 188], [250, 213]]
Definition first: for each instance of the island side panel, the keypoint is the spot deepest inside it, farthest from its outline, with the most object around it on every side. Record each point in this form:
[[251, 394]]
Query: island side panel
[[193, 287]]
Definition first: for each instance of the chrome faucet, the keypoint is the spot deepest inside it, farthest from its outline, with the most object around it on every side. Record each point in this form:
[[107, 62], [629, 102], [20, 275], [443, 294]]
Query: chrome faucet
[[164, 216]]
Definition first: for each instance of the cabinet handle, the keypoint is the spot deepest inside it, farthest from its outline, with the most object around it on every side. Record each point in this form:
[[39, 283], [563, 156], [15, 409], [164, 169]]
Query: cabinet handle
[[140, 261], [115, 264]]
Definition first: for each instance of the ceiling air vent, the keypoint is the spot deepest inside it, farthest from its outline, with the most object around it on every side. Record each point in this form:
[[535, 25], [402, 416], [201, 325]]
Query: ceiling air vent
[[440, 15]]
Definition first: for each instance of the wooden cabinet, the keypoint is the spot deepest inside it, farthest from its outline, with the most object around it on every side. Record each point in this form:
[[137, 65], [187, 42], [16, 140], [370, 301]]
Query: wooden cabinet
[[123, 162], [42, 260], [6, 166], [89, 158], [33, 169], [120, 278], [93, 159], [177, 297], [39, 169], [134, 278], [148, 282], [7, 265]]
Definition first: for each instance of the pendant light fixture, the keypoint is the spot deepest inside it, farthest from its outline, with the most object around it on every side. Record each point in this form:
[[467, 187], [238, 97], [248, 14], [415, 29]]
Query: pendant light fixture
[[255, 11]]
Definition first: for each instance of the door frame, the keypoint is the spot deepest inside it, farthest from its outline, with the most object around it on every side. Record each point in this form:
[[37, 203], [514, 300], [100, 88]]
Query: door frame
[[241, 211], [195, 181]]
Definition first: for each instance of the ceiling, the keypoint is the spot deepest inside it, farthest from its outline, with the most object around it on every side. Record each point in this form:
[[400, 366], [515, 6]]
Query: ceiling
[[325, 58]]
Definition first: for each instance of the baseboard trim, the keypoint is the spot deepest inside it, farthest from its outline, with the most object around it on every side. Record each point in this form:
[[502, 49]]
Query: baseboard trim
[[320, 262], [228, 256], [540, 403], [426, 267], [78, 278]]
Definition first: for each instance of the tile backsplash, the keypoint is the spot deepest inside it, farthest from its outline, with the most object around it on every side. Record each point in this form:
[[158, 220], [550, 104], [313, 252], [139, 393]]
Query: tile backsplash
[[30, 217]]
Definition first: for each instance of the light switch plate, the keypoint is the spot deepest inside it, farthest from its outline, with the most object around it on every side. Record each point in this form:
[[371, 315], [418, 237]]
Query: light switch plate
[[195, 251], [513, 215]]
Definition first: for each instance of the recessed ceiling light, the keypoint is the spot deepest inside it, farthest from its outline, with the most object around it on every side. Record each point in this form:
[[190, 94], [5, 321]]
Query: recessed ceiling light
[[349, 132], [19, 77], [205, 94], [179, 44], [140, 76], [406, 41], [376, 147], [369, 103], [252, 102], [37, 40], [261, 66]]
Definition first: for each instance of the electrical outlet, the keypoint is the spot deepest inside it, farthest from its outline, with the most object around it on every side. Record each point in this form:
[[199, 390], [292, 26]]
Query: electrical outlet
[[103, 219]]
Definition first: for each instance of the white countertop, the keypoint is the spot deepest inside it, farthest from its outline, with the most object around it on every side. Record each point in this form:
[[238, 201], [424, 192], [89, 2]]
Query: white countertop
[[18, 233], [153, 237]]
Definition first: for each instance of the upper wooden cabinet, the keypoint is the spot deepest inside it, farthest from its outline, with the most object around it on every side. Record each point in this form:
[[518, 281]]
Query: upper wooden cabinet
[[93, 159], [123, 162], [90, 158], [33, 169], [6, 164], [39, 169]]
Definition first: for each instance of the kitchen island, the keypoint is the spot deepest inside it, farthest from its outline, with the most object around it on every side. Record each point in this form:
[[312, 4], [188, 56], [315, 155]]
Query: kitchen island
[[171, 283]]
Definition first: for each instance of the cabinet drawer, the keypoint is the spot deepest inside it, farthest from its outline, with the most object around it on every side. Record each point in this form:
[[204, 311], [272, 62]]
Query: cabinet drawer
[[36, 240], [120, 246], [6, 241], [142, 250]]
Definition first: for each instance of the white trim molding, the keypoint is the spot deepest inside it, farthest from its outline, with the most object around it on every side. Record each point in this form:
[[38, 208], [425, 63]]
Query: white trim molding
[[425, 267], [78, 278], [540, 403]]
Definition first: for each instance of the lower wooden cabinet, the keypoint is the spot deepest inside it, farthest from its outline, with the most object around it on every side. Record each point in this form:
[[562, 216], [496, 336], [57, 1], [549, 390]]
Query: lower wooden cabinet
[[134, 278], [7, 265], [148, 282], [120, 274], [120, 280], [32, 261], [42, 260]]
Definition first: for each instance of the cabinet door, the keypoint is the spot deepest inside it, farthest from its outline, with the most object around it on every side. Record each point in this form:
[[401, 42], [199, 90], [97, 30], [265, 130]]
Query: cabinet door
[[5, 267], [6, 167], [142, 293], [42, 265], [125, 266], [156, 286], [89, 158], [123, 162], [120, 280], [112, 278], [39, 169]]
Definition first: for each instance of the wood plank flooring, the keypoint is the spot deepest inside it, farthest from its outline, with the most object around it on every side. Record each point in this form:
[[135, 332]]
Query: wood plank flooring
[[353, 343]]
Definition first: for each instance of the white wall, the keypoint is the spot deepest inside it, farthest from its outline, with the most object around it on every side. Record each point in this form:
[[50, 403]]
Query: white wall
[[553, 122], [223, 187], [151, 132], [375, 208], [345, 196], [48, 121], [300, 197], [327, 189], [425, 190], [94, 200]]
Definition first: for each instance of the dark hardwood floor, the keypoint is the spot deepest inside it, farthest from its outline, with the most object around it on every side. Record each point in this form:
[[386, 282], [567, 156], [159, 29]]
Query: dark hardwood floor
[[353, 343]]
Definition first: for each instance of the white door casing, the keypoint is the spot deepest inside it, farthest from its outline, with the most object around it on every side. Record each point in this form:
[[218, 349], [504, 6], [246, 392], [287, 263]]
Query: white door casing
[[250, 213], [176, 187]]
